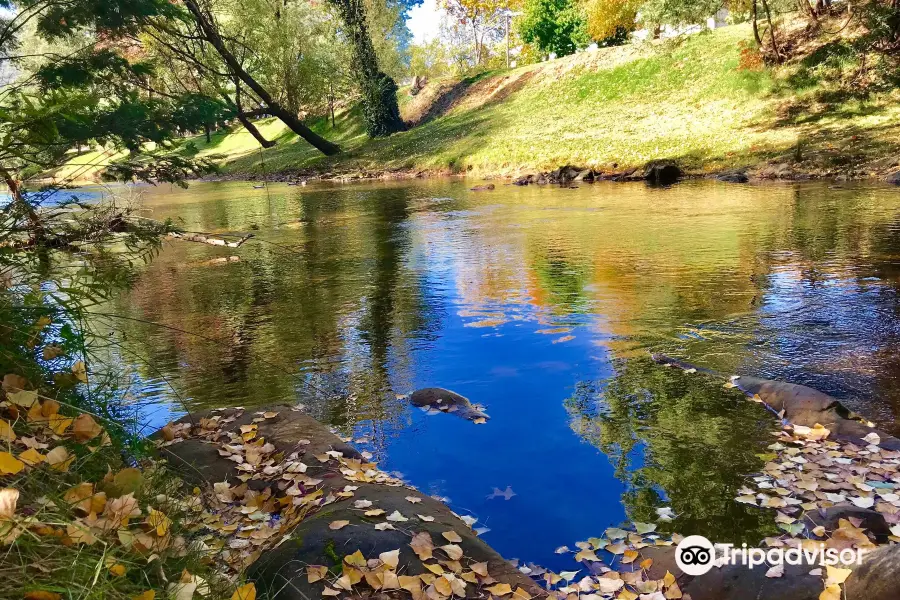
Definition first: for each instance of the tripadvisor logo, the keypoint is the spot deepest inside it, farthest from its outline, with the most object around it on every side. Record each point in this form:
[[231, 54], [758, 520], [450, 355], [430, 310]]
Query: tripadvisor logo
[[695, 555]]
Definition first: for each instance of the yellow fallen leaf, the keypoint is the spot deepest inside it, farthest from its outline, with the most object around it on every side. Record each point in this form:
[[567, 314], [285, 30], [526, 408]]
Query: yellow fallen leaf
[[31, 457], [245, 592], [79, 372], [159, 521], [836, 576], [335, 525], [6, 432], [59, 423], [442, 585], [356, 560], [521, 594], [49, 407], [629, 556], [148, 595], [480, 569], [118, 570], [452, 536], [831, 592], [9, 464], [500, 589], [412, 584]]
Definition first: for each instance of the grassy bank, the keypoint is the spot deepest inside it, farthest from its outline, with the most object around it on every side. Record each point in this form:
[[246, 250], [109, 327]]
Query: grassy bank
[[691, 99]]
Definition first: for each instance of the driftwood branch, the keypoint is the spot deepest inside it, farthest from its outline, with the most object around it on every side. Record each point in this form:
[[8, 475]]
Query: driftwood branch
[[205, 239]]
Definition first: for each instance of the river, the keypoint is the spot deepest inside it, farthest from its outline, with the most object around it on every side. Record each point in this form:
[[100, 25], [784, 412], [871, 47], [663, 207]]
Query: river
[[542, 304]]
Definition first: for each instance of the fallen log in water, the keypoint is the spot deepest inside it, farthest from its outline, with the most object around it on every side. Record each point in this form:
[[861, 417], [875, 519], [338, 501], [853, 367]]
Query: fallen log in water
[[213, 241]]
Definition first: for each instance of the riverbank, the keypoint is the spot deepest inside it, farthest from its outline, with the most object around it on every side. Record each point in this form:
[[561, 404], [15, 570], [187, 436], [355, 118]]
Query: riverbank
[[602, 110]]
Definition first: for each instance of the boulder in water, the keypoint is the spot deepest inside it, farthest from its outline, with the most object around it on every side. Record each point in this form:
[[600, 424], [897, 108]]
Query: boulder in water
[[446, 401]]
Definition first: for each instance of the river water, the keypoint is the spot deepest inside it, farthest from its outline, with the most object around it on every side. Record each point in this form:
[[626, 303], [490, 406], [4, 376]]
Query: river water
[[543, 304]]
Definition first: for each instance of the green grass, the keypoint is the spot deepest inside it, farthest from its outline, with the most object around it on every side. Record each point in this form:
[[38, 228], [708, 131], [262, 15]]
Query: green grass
[[686, 99]]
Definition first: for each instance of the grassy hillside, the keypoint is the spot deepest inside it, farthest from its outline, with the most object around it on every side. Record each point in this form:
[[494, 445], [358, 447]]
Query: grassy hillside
[[686, 99]]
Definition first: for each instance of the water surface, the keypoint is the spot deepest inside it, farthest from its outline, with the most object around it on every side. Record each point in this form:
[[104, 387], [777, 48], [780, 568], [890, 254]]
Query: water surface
[[543, 304]]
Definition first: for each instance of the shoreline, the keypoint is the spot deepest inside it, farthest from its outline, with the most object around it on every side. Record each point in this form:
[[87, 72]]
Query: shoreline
[[769, 173]]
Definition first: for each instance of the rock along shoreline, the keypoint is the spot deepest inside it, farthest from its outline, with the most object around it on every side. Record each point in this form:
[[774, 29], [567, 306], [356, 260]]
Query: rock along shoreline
[[352, 497]]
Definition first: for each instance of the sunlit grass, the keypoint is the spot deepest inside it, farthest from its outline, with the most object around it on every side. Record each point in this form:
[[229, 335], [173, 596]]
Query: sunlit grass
[[684, 99]]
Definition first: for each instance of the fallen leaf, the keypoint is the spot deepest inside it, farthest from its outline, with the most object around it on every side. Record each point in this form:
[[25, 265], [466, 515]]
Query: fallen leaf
[[79, 371], [25, 399], [59, 459], [9, 464], [60, 423], [31, 457], [836, 576], [831, 592], [42, 595], [118, 570], [453, 551], [396, 517], [85, 428], [776, 571], [245, 592], [335, 525], [158, 521], [500, 589], [9, 497], [422, 545], [452, 536], [6, 432], [644, 528], [316, 573], [391, 559]]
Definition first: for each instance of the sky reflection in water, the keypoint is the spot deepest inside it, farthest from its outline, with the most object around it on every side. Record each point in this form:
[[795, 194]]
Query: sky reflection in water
[[542, 304]]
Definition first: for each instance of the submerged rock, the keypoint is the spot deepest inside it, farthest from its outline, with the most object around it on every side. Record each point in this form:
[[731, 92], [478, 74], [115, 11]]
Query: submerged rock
[[893, 178], [483, 188], [733, 177], [448, 402], [662, 172], [800, 405]]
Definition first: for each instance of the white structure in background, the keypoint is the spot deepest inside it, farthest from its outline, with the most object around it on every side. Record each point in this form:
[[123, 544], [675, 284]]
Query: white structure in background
[[720, 19]]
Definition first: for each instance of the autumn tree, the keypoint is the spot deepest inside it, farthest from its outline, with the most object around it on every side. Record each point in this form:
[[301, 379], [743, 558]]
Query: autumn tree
[[554, 26], [482, 21], [606, 19]]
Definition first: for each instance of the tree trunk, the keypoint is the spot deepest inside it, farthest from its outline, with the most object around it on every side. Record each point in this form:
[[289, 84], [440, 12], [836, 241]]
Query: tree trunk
[[756, 25], [242, 117], [207, 132], [20, 203], [379, 91], [771, 30], [211, 35]]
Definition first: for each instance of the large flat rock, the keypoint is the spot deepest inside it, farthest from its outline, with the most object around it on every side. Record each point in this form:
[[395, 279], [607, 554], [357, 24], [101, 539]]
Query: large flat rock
[[281, 572]]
